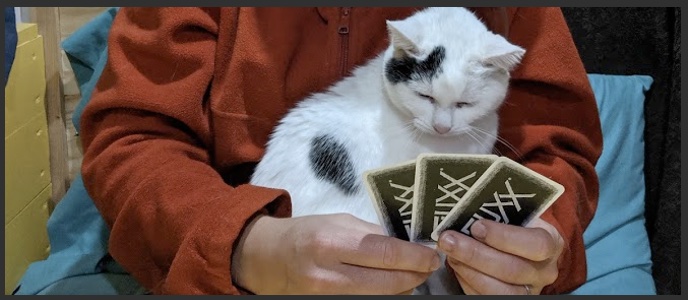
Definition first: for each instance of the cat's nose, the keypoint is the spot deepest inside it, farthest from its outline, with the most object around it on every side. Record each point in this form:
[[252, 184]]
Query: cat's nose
[[441, 129]]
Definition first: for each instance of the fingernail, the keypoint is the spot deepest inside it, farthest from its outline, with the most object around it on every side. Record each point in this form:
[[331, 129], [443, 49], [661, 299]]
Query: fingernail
[[478, 230], [448, 242], [436, 263]]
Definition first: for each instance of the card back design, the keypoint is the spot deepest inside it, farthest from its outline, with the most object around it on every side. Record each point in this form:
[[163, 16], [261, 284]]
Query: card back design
[[391, 190], [508, 192], [441, 181]]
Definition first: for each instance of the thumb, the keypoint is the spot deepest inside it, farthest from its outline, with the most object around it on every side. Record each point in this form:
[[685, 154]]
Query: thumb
[[540, 223]]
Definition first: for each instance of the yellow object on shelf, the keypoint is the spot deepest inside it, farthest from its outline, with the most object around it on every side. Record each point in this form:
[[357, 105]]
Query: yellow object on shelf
[[25, 89], [27, 158]]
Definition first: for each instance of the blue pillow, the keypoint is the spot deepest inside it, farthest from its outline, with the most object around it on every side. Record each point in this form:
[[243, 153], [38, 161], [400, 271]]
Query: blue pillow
[[617, 245]]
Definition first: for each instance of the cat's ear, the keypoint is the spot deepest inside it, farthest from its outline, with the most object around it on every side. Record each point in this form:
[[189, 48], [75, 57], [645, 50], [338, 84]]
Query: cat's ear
[[403, 46], [502, 54]]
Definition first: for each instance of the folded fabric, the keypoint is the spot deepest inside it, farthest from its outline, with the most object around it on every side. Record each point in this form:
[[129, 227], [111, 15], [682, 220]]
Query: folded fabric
[[86, 50], [78, 253]]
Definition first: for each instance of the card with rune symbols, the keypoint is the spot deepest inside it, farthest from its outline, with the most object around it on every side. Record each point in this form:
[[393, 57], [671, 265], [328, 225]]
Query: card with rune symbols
[[441, 181], [508, 192]]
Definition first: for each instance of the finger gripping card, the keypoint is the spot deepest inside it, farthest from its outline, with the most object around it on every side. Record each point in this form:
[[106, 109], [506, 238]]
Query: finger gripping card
[[508, 193], [441, 181], [391, 190]]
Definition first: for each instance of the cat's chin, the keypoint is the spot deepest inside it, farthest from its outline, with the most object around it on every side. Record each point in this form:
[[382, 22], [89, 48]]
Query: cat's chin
[[454, 133], [448, 135]]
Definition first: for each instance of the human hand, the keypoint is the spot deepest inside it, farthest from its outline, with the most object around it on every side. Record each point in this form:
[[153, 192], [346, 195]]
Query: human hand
[[328, 254], [504, 259]]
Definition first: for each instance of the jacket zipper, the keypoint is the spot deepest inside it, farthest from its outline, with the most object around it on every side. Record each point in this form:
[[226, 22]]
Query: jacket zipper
[[344, 22]]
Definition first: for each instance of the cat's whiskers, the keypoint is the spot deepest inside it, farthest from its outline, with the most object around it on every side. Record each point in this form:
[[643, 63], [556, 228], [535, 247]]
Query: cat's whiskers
[[424, 126], [416, 134], [499, 139], [411, 129], [470, 134], [406, 128]]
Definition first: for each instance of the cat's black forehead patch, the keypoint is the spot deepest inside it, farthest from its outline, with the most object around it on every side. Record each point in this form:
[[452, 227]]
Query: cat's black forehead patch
[[407, 68], [330, 161]]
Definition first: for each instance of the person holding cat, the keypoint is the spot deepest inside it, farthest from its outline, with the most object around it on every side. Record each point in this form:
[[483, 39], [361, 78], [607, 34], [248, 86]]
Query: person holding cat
[[189, 100]]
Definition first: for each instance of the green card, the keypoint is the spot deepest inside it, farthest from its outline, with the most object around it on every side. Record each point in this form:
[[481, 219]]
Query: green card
[[441, 181], [391, 190], [508, 192]]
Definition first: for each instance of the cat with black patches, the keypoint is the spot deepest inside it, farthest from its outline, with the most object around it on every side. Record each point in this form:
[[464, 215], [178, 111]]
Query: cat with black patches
[[436, 89]]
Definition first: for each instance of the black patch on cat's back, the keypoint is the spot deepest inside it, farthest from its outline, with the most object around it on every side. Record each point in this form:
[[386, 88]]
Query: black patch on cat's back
[[330, 161], [407, 68]]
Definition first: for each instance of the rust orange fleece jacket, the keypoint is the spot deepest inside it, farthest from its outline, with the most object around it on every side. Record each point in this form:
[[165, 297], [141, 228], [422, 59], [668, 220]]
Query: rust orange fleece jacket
[[189, 96]]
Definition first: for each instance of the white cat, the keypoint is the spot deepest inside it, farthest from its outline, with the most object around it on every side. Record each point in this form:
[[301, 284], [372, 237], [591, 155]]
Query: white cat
[[436, 89]]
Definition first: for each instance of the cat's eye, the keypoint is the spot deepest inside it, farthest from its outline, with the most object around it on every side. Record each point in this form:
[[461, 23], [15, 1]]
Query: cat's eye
[[462, 104], [428, 97]]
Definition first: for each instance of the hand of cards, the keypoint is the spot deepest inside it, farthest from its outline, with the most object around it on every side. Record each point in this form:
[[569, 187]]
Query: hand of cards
[[417, 200]]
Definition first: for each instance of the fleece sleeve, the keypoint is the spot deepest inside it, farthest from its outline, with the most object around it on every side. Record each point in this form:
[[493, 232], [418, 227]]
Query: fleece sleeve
[[173, 219], [551, 118]]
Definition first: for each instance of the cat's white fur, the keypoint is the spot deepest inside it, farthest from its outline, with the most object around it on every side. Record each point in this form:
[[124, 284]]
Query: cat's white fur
[[381, 124]]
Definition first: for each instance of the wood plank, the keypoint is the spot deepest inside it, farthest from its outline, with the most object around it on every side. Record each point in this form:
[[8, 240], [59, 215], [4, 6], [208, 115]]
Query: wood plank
[[71, 19], [48, 20]]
